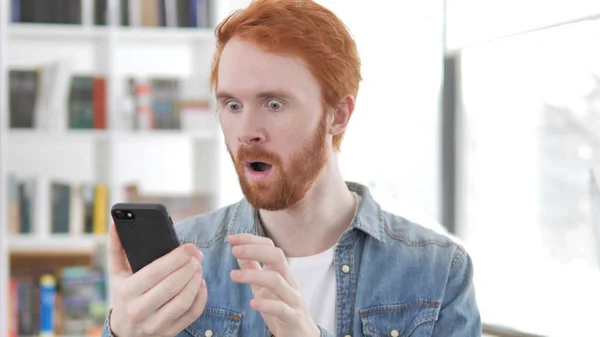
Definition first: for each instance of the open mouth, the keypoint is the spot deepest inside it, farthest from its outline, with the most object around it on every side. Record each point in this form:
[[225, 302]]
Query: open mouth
[[259, 166]]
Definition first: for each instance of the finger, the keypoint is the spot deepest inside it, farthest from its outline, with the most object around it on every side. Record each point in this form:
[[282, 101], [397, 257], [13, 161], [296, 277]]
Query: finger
[[149, 276], [271, 280], [272, 257], [249, 239], [272, 307], [249, 264], [266, 254], [177, 306], [193, 313], [199, 255], [168, 288], [117, 260]]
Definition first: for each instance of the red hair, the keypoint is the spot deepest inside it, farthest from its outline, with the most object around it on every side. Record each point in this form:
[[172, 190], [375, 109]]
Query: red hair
[[300, 28]]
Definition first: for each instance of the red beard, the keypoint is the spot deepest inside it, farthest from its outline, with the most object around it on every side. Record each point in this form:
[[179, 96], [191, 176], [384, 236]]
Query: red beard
[[286, 185]]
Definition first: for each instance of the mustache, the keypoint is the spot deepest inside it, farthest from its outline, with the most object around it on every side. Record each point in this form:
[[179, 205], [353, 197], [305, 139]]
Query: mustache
[[256, 153]]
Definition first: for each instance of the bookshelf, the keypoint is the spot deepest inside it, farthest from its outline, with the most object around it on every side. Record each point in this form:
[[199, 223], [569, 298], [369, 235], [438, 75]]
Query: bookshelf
[[4, 249], [176, 158], [56, 244]]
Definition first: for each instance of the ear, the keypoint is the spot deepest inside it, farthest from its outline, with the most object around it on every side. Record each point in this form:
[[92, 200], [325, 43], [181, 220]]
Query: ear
[[341, 115]]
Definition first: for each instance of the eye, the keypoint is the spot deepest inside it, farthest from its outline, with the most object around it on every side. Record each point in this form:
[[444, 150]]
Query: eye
[[274, 104], [233, 105]]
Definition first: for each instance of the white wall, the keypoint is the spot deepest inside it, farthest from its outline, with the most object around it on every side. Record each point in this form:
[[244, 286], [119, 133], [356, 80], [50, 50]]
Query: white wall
[[472, 21], [392, 142]]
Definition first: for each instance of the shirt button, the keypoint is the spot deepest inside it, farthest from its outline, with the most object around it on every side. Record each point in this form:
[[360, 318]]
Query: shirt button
[[345, 269], [348, 335], [208, 333], [394, 333]]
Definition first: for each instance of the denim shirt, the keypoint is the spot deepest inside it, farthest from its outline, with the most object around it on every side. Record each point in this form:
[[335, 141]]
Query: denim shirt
[[393, 277]]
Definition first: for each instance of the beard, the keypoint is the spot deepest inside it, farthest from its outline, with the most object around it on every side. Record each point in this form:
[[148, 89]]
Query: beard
[[286, 185]]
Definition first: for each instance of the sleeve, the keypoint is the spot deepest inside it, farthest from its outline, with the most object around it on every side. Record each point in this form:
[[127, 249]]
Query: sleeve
[[459, 315], [106, 332], [324, 333]]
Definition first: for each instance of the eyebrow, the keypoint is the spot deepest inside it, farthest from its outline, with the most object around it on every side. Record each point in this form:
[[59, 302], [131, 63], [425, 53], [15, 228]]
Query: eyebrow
[[270, 93]]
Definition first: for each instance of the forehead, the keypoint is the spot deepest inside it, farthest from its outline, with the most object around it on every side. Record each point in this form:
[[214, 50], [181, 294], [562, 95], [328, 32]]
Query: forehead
[[246, 69]]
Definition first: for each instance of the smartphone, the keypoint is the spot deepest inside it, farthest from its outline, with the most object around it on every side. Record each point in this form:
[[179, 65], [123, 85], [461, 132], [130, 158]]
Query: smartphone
[[146, 232]]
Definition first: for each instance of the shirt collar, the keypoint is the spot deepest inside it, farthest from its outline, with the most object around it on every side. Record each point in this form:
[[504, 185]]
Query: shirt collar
[[368, 218]]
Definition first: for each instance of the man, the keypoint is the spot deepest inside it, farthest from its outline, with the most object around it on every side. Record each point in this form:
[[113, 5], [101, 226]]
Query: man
[[304, 253]]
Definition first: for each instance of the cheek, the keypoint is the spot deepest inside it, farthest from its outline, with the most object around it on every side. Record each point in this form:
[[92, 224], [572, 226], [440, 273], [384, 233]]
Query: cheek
[[228, 130], [285, 138], [290, 143]]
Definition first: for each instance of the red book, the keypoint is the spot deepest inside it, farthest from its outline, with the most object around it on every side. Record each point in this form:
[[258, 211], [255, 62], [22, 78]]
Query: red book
[[13, 308], [99, 103]]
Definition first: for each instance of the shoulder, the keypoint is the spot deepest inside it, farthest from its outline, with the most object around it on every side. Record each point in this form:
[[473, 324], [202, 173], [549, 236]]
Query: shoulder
[[415, 232], [422, 237], [205, 229]]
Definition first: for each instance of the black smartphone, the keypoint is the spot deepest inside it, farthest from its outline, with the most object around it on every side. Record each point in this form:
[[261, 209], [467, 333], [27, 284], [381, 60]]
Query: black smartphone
[[146, 232]]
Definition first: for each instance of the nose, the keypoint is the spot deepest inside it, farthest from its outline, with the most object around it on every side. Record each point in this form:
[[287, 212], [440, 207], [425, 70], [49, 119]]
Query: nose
[[249, 140], [253, 132]]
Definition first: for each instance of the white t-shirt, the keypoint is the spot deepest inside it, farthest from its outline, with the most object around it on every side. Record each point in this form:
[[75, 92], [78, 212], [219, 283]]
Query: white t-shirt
[[316, 276]]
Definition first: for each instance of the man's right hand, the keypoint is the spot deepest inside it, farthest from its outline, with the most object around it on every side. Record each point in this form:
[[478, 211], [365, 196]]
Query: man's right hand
[[162, 298]]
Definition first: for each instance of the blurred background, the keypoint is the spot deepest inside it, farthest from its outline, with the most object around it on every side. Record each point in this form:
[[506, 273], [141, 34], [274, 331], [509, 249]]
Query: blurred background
[[478, 119]]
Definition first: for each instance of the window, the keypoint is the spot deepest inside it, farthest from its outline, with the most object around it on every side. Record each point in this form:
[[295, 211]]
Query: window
[[529, 135]]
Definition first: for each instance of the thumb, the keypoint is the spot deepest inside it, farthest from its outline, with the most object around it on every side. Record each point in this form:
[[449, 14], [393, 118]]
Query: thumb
[[202, 296], [117, 260]]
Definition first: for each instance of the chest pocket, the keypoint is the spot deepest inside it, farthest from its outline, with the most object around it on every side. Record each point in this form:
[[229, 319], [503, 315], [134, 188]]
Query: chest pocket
[[216, 322], [414, 319]]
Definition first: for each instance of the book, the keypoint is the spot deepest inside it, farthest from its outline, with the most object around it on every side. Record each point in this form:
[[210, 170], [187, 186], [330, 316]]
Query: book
[[42, 205], [54, 98], [69, 300]]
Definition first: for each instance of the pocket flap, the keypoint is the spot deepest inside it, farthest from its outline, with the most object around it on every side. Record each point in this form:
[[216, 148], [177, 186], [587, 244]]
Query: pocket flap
[[398, 320], [216, 322]]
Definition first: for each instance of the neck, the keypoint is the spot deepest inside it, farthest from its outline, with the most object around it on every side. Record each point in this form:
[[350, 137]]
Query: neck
[[315, 223]]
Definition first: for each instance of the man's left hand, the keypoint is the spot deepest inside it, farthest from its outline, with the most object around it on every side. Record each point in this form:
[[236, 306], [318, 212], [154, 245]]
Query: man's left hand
[[276, 292]]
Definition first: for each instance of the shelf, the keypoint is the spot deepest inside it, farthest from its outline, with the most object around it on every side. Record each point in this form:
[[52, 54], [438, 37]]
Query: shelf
[[54, 244], [29, 135], [165, 134], [126, 34], [167, 34], [58, 31], [35, 135]]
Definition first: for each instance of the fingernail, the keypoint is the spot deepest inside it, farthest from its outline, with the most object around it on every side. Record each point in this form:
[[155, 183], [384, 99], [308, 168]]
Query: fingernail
[[235, 274], [191, 249], [203, 284]]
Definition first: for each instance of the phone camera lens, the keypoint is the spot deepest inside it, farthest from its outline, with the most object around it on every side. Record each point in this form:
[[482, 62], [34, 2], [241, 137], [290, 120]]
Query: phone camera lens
[[124, 215]]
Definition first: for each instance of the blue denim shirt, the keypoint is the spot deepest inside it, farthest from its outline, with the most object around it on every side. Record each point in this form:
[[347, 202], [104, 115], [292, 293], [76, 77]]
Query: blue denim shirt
[[403, 279]]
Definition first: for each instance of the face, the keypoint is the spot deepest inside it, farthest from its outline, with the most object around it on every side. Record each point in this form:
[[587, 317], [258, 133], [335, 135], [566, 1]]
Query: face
[[272, 118]]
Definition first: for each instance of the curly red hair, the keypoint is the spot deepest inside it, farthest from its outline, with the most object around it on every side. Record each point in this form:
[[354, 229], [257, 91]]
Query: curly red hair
[[301, 28]]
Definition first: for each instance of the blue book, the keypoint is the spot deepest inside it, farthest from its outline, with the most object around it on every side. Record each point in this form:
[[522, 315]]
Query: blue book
[[47, 305], [16, 11]]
